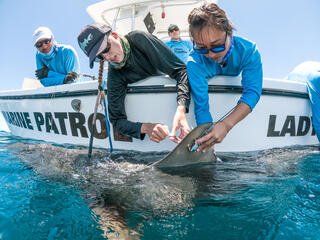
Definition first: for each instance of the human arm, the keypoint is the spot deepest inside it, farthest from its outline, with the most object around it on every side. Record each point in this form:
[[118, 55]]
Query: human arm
[[167, 62], [221, 129], [252, 88], [156, 131], [42, 72], [116, 87], [252, 78], [179, 122], [64, 62], [199, 73], [163, 59]]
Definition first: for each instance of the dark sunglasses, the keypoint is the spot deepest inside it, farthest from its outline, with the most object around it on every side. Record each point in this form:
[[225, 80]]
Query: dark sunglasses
[[216, 49], [40, 43], [173, 30], [106, 50]]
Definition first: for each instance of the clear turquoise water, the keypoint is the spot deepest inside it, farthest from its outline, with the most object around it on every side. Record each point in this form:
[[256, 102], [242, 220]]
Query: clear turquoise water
[[54, 192]]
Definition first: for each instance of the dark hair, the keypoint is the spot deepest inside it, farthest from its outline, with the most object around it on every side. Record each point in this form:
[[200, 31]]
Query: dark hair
[[208, 15]]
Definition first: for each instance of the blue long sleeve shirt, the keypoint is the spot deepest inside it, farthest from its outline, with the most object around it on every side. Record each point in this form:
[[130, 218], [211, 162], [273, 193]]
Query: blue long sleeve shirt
[[309, 73], [60, 62], [245, 59], [181, 48]]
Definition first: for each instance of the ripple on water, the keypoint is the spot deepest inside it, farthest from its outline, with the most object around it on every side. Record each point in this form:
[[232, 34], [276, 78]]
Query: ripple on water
[[271, 194]]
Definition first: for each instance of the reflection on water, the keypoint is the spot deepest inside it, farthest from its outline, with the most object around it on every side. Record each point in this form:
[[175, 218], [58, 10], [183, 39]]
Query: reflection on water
[[245, 195]]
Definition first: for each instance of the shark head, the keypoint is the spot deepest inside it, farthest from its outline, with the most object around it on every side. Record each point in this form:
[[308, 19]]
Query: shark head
[[85, 43]]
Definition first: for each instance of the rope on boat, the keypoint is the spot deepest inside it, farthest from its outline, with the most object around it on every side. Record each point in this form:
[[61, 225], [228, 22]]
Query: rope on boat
[[101, 100], [107, 121]]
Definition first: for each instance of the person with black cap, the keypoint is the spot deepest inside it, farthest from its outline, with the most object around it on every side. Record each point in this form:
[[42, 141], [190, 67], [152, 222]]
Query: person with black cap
[[180, 47], [57, 64], [131, 58]]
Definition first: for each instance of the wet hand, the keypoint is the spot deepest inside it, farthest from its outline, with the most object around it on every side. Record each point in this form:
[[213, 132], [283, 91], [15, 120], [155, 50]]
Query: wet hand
[[216, 135], [179, 122], [156, 131]]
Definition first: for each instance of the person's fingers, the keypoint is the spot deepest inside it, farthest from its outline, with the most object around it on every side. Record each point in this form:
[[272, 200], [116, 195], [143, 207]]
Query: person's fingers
[[175, 139], [207, 141], [156, 135], [207, 145], [174, 130], [205, 138], [160, 132], [164, 129], [154, 139], [183, 133]]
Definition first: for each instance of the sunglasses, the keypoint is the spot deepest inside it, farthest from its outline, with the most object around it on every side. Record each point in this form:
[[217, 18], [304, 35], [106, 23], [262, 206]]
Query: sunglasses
[[40, 43], [216, 49], [105, 51], [173, 30]]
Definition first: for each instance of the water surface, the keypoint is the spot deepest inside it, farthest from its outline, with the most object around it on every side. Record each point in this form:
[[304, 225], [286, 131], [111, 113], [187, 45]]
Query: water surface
[[55, 192]]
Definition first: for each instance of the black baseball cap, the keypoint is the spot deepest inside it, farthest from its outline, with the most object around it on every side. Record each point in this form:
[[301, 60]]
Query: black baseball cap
[[93, 39]]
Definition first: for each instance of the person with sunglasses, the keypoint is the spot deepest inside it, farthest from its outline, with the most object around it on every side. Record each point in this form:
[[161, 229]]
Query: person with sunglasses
[[132, 58], [217, 52], [57, 64], [178, 46]]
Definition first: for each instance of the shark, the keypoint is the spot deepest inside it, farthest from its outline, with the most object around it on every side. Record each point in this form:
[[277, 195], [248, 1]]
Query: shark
[[112, 185], [182, 155], [121, 182]]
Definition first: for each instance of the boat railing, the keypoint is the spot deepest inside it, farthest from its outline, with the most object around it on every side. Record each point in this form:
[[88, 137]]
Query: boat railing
[[116, 13]]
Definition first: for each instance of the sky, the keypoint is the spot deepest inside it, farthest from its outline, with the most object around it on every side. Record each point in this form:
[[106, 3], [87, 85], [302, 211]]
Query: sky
[[286, 32]]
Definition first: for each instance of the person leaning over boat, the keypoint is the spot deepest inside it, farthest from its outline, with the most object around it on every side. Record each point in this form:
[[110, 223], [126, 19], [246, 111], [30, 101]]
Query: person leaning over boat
[[178, 46], [217, 52], [309, 73], [131, 58], [56, 63]]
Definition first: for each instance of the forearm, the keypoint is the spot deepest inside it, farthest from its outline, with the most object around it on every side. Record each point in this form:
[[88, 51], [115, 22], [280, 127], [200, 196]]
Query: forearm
[[239, 113], [51, 81], [128, 128], [183, 90], [164, 60]]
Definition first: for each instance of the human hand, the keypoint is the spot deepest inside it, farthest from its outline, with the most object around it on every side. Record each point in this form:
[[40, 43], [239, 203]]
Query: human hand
[[216, 135], [71, 76], [179, 122], [156, 131], [42, 72]]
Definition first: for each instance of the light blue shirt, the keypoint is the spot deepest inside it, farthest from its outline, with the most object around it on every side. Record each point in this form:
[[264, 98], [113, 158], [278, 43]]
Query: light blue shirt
[[61, 60], [181, 48], [245, 59], [309, 72]]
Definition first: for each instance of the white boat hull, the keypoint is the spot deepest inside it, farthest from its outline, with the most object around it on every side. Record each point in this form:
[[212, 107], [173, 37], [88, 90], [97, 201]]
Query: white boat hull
[[281, 118]]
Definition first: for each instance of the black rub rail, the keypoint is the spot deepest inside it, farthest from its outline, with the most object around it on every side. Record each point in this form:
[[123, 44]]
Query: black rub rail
[[154, 89]]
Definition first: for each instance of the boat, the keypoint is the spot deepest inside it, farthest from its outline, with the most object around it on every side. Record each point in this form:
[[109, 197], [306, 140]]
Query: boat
[[64, 114]]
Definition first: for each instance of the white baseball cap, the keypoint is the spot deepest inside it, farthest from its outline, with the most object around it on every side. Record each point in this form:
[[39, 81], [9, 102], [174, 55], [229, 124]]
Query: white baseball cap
[[41, 33]]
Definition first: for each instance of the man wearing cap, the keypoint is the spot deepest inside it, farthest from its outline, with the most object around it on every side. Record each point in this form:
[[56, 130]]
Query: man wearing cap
[[57, 64], [131, 58], [180, 47]]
